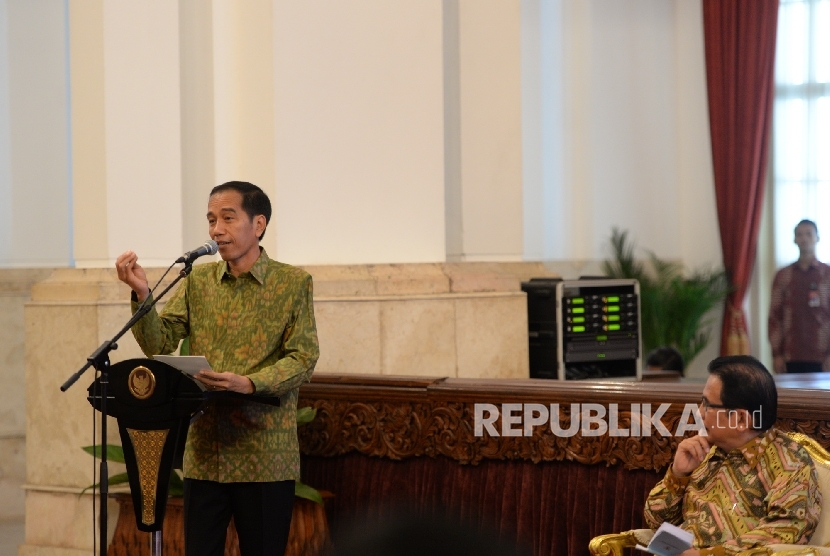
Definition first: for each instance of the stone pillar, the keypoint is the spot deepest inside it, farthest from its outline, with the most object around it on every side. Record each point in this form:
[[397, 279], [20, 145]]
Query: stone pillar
[[14, 292], [70, 314], [483, 105], [126, 139], [35, 213]]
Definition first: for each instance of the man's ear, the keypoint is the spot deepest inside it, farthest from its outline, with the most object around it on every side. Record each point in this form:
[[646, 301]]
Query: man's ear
[[744, 419], [259, 224]]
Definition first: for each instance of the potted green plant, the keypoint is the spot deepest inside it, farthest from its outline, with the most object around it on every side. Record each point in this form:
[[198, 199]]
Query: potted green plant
[[673, 304]]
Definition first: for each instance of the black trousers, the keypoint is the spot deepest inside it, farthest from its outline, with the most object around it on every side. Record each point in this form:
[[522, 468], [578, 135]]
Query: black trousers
[[261, 513]]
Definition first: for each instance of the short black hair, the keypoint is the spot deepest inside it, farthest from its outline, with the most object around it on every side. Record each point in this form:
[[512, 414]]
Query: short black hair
[[666, 358], [808, 223], [747, 384], [254, 199]]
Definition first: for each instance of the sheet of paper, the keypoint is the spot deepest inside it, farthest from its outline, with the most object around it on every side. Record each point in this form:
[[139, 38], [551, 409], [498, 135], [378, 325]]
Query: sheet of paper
[[190, 364], [668, 540]]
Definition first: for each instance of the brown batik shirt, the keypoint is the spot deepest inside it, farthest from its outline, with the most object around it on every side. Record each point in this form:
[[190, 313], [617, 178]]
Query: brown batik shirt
[[799, 316], [765, 492]]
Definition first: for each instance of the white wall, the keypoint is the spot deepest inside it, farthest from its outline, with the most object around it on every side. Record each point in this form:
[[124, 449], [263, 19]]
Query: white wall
[[385, 132], [34, 150], [359, 131], [198, 104], [5, 141], [488, 215], [142, 127], [616, 129], [699, 233], [125, 137]]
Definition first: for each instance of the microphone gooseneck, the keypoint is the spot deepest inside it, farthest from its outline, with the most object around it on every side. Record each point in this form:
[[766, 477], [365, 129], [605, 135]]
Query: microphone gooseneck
[[210, 247]]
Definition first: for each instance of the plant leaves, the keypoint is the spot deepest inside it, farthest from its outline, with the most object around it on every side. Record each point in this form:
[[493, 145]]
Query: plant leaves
[[309, 493], [184, 347], [117, 479], [305, 415], [673, 306], [176, 487], [115, 453]]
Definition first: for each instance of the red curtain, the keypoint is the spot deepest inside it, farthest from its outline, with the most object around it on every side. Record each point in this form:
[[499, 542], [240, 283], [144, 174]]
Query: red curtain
[[739, 38]]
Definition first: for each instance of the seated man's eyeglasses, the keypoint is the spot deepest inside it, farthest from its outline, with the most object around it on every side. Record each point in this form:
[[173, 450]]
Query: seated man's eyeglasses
[[705, 405]]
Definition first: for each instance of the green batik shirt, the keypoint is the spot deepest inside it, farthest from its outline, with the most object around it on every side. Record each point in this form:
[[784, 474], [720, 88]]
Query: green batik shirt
[[260, 325]]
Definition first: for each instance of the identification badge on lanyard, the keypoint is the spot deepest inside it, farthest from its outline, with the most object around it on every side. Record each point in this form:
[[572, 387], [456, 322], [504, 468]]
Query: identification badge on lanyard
[[813, 298]]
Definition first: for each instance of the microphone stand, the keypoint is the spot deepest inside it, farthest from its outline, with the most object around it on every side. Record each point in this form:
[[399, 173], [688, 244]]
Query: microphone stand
[[100, 359]]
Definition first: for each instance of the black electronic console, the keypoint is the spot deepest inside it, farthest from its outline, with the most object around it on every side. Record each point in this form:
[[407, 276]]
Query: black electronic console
[[584, 329]]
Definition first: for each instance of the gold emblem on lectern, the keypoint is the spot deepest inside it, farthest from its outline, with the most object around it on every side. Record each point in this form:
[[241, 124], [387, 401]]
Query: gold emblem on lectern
[[142, 383]]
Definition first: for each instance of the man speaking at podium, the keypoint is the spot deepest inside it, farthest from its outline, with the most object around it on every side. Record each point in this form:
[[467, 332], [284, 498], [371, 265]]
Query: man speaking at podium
[[253, 319]]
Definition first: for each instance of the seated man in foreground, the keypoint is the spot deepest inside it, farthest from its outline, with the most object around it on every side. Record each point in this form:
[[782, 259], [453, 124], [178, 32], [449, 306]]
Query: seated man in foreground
[[745, 483]]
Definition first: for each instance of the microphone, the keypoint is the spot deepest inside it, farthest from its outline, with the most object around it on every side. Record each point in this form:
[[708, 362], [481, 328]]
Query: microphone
[[210, 247]]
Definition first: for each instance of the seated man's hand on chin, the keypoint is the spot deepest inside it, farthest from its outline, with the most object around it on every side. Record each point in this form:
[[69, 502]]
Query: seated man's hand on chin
[[690, 453]]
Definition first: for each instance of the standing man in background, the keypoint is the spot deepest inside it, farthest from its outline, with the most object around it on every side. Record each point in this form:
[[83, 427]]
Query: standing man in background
[[253, 319], [799, 316]]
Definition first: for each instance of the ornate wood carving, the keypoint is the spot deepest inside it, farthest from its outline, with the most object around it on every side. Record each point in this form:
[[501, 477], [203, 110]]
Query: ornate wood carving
[[402, 418]]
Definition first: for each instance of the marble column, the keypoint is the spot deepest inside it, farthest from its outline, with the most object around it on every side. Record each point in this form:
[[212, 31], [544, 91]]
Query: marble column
[[483, 119], [70, 314], [14, 293], [126, 131]]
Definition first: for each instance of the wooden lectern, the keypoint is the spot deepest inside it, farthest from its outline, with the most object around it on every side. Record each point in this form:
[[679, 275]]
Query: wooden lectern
[[153, 403]]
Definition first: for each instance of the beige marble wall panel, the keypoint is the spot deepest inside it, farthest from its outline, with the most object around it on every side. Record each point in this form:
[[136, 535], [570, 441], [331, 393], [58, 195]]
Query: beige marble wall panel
[[30, 550], [12, 406], [58, 340], [409, 279], [92, 285], [111, 318], [573, 269], [18, 281], [62, 524], [418, 337], [12, 476], [349, 334], [14, 293], [492, 277], [491, 336], [342, 280], [419, 279]]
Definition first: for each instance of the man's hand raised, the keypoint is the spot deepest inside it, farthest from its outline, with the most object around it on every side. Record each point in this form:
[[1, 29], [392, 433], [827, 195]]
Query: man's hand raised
[[131, 273], [690, 453]]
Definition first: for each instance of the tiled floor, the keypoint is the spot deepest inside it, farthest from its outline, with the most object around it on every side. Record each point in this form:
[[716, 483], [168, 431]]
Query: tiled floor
[[11, 535]]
